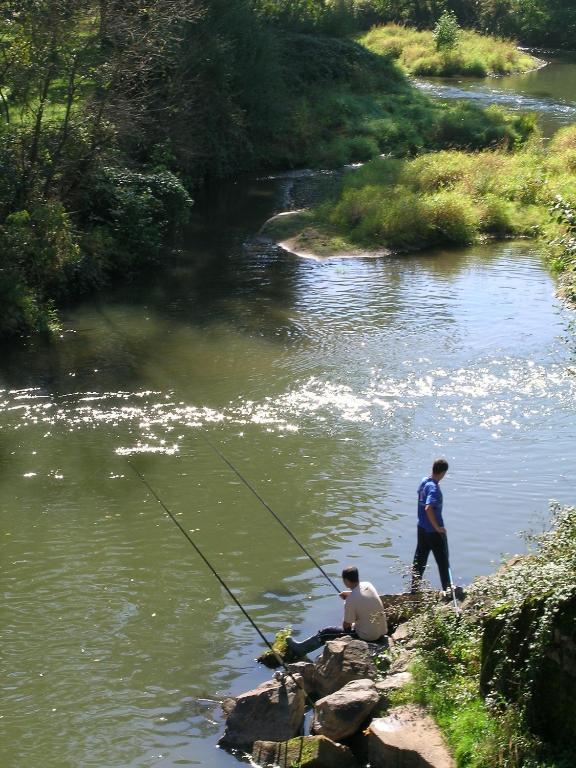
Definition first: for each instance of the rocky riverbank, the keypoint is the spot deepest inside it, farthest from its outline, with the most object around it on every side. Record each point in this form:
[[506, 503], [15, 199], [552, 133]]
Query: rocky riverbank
[[488, 686], [350, 691]]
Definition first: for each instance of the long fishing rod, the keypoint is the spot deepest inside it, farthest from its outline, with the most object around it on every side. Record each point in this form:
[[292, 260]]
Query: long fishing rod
[[269, 508], [452, 587], [219, 453], [172, 517]]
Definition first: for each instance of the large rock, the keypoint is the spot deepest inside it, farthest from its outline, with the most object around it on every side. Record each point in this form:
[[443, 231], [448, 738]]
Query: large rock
[[272, 712], [307, 670], [342, 661], [304, 751], [342, 713], [390, 684], [407, 738]]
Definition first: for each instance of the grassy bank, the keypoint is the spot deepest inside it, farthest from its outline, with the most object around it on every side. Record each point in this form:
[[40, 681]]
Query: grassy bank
[[494, 679], [473, 55], [100, 152], [453, 197]]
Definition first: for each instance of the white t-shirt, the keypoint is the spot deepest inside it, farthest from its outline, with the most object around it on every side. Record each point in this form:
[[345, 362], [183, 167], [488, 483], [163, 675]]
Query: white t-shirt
[[364, 609]]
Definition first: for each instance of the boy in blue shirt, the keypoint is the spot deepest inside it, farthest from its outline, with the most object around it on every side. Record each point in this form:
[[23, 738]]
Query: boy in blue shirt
[[431, 530]]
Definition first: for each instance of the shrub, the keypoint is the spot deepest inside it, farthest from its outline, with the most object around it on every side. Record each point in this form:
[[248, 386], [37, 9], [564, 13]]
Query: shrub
[[38, 249], [137, 211], [446, 32]]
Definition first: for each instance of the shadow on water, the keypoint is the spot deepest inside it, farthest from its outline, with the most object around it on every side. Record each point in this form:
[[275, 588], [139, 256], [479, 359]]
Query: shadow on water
[[220, 276]]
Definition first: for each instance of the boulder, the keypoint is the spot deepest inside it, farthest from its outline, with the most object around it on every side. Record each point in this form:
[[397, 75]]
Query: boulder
[[304, 751], [392, 683], [306, 670], [342, 713], [342, 661], [407, 738], [272, 712]]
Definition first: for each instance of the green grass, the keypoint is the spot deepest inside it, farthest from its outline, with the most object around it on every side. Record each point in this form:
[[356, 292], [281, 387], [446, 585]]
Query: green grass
[[451, 197], [475, 55], [334, 126]]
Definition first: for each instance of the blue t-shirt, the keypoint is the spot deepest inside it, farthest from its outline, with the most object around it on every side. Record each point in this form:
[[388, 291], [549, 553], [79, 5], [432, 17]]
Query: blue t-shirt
[[429, 493]]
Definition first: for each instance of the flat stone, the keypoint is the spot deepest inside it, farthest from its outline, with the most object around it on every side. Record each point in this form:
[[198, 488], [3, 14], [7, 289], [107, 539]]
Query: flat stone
[[342, 713], [304, 751], [404, 635], [272, 712], [342, 661], [394, 682], [407, 738], [401, 661]]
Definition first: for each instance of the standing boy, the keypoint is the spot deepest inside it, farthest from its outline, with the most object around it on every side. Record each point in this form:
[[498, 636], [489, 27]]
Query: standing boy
[[430, 529]]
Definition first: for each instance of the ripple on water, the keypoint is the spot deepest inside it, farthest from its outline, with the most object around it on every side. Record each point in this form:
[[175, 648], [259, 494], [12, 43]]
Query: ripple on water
[[490, 394]]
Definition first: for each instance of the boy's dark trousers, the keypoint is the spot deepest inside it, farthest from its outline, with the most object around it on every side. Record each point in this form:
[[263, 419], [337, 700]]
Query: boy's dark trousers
[[430, 542]]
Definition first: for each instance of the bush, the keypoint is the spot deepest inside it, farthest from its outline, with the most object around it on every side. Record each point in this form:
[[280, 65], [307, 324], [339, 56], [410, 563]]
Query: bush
[[38, 249], [137, 211], [446, 32]]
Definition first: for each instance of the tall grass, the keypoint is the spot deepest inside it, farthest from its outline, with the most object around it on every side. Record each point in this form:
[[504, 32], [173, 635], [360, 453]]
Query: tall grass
[[474, 55], [455, 197]]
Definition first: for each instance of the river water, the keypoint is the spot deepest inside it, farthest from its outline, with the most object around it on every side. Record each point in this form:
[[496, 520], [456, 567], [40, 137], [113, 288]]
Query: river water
[[331, 386]]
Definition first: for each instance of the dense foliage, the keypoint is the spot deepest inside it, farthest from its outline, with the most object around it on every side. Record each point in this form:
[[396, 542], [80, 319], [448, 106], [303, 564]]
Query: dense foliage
[[111, 112], [534, 22]]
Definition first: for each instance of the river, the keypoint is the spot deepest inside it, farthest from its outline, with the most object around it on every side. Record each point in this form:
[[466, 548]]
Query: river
[[331, 386]]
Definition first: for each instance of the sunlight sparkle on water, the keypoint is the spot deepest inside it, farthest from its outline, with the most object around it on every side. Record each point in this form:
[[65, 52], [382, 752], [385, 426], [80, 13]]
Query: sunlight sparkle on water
[[490, 394]]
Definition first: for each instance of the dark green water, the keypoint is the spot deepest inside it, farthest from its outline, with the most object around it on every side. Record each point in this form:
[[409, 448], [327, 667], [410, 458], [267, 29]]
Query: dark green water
[[332, 386]]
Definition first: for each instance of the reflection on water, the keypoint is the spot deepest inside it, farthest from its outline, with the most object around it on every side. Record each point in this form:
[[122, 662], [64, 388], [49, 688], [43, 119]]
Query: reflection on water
[[330, 386]]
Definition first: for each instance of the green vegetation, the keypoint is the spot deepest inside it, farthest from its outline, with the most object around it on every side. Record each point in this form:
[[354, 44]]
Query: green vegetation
[[454, 197], [448, 51], [534, 22], [494, 678], [447, 32], [111, 113]]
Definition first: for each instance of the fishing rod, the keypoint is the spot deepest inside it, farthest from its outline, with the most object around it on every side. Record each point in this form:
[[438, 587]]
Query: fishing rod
[[219, 453], [238, 474], [181, 528], [452, 586]]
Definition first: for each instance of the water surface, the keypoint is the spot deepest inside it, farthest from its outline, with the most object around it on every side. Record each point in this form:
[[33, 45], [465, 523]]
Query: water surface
[[331, 386]]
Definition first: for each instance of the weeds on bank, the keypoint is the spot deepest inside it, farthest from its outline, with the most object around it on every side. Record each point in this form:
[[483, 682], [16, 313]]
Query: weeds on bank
[[460, 657], [457, 197], [473, 55]]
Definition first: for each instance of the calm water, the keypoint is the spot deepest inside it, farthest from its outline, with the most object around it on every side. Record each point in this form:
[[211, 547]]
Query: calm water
[[331, 386]]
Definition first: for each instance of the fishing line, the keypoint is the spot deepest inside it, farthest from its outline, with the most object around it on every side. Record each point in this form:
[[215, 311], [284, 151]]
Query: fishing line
[[219, 453], [207, 562], [269, 508]]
